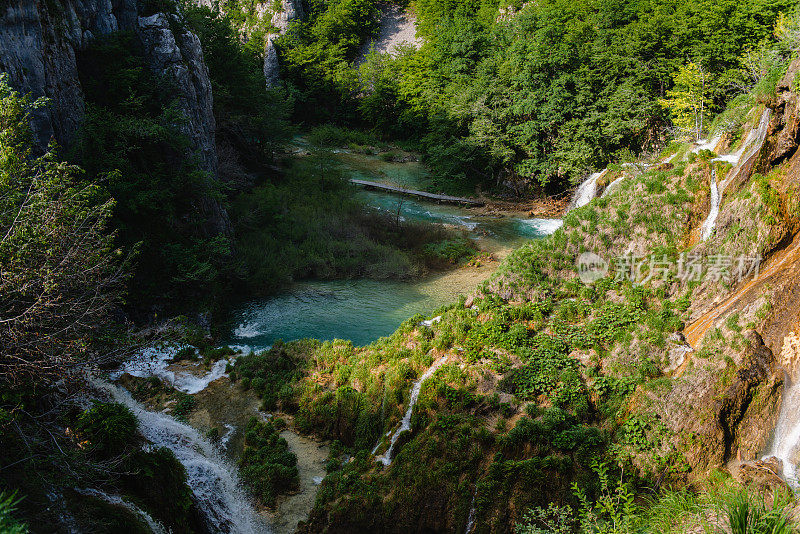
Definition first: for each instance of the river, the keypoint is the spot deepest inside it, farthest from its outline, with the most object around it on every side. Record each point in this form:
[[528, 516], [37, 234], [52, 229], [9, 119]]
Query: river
[[364, 310], [358, 310]]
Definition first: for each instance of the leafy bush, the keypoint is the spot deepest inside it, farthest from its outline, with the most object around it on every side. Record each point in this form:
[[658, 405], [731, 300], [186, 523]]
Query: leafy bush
[[329, 135], [158, 479], [267, 465], [450, 251], [270, 373], [110, 428], [9, 525], [184, 404]]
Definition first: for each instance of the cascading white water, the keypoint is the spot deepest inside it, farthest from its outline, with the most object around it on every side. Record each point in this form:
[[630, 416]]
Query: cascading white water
[[711, 219], [155, 361], [405, 424], [471, 516], [613, 185], [709, 144], [586, 192], [543, 226], [786, 438], [212, 479], [116, 500], [754, 141]]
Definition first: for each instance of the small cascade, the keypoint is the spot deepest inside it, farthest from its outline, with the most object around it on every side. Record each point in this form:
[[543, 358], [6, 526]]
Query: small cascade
[[707, 144], [754, 141], [613, 185], [212, 479], [586, 192], [750, 147], [116, 500], [405, 424], [708, 224], [786, 438], [472, 511], [155, 361]]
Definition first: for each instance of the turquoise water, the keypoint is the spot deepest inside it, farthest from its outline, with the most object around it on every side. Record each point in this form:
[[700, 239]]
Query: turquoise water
[[501, 232], [364, 310], [358, 310]]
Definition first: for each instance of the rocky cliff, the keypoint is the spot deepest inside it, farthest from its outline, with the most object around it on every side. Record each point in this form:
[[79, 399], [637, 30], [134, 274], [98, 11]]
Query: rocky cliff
[[290, 10], [38, 45]]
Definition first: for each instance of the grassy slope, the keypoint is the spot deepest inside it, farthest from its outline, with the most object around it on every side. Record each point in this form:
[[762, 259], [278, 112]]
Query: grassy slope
[[545, 374]]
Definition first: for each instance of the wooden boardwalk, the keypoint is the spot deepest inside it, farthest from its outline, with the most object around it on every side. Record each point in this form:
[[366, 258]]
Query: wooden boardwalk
[[422, 194]]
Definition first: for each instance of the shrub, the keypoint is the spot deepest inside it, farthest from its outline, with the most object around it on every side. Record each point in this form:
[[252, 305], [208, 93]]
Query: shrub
[[9, 525], [109, 427], [747, 514], [267, 465], [159, 480]]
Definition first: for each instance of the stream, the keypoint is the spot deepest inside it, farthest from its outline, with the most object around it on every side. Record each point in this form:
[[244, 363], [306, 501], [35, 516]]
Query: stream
[[357, 310], [365, 310], [212, 478]]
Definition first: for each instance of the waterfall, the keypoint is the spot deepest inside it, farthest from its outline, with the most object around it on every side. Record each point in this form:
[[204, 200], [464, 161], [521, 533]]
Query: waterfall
[[708, 224], [471, 516], [212, 479], [116, 500], [405, 424], [754, 141], [709, 144], [586, 191], [786, 438], [155, 361], [613, 185]]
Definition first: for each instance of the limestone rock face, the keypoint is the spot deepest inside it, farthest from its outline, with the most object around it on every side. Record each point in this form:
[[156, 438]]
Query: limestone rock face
[[728, 413], [38, 41], [764, 475], [290, 10], [785, 124], [38, 45], [178, 53]]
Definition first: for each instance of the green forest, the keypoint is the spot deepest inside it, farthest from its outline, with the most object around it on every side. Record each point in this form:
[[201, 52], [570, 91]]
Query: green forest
[[537, 96], [528, 399]]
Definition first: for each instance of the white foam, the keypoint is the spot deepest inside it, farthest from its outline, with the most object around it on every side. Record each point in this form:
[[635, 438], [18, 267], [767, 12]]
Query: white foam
[[544, 226], [247, 331], [226, 437], [711, 220], [155, 361], [786, 439], [586, 191], [709, 144], [405, 424], [431, 322]]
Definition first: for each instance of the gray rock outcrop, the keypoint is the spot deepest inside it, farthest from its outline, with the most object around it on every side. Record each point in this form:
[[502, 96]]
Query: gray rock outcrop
[[290, 10], [38, 45]]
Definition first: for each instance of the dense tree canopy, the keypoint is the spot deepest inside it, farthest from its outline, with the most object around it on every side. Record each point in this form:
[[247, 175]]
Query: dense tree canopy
[[536, 94]]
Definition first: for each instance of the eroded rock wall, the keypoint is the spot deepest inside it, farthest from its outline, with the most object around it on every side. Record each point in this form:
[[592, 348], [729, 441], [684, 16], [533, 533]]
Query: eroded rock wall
[[38, 45], [290, 11]]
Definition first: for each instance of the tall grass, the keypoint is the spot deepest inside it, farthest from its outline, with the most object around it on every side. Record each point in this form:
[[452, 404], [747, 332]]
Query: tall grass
[[749, 514], [722, 508]]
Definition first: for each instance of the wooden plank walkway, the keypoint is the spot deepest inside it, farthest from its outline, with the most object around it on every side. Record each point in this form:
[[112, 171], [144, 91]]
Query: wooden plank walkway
[[422, 194]]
